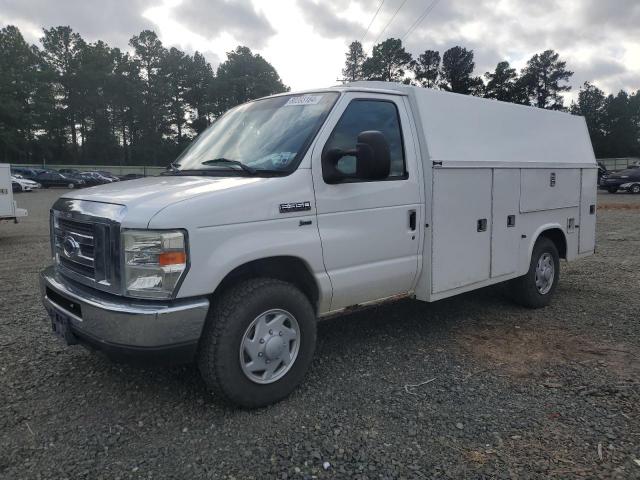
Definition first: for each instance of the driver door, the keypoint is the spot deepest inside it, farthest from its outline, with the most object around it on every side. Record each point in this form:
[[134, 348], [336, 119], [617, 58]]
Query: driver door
[[369, 229]]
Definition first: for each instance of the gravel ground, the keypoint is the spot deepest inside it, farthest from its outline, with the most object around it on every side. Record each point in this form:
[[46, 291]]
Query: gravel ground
[[471, 387]]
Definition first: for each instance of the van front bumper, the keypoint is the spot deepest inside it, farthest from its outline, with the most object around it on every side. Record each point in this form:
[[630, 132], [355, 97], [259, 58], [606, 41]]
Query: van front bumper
[[123, 328]]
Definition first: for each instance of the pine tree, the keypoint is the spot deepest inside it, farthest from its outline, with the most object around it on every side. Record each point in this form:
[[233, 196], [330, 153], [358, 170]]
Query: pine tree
[[591, 105], [426, 68], [545, 78], [388, 61], [456, 73], [504, 84], [352, 70]]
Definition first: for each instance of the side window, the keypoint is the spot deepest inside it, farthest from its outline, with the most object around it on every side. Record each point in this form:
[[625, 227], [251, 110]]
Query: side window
[[362, 115]]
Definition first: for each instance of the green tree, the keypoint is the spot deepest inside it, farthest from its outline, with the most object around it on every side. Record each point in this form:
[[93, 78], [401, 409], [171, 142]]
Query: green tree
[[200, 80], [243, 77], [19, 84], [95, 74], [591, 104], [125, 97], [175, 70], [426, 68], [504, 84], [62, 48], [545, 78], [388, 61], [456, 73], [621, 127], [352, 70], [153, 118]]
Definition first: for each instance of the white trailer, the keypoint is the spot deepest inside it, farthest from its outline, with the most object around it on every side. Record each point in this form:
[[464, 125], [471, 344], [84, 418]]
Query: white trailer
[[8, 207], [302, 205]]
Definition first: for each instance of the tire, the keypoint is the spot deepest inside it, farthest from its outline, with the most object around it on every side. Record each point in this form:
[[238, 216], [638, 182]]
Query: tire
[[612, 189], [71, 185], [525, 290], [635, 188], [229, 325]]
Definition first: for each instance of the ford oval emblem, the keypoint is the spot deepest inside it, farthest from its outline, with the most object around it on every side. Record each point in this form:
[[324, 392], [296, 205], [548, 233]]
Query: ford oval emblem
[[70, 246]]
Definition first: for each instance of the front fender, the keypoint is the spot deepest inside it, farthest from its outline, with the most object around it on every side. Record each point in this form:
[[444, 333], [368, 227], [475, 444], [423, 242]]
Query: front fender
[[217, 251]]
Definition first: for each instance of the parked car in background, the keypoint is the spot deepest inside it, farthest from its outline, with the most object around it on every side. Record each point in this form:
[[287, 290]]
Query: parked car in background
[[631, 187], [88, 180], [614, 182], [109, 175], [602, 172], [93, 178], [24, 184], [131, 176], [26, 172], [54, 179], [15, 187]]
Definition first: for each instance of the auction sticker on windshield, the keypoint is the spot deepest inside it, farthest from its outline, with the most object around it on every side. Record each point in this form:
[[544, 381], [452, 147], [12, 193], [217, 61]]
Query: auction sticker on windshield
[[304, 100]]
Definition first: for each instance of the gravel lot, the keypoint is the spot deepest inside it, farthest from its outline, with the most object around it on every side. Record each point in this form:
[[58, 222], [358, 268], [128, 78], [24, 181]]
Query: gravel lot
[[512, 393]]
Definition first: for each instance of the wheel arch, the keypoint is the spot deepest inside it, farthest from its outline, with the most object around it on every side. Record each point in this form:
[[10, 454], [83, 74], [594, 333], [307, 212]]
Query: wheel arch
[[556, 234], [287, 268]]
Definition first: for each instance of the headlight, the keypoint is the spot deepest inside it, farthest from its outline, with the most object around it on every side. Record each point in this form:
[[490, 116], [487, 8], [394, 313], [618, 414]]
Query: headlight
[[154, 262]]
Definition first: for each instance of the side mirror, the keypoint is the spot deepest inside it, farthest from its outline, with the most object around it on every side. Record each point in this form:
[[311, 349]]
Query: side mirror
[[373, 159]]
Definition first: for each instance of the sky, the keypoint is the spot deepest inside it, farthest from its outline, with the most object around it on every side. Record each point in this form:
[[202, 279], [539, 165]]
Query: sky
[[306, 40]]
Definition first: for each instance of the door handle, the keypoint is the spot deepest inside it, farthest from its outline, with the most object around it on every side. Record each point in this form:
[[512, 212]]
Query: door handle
[[412, 220], [482, 225]]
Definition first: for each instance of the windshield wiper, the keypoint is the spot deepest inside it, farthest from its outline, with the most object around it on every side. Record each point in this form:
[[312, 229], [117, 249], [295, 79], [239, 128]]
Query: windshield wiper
[[228, 161]]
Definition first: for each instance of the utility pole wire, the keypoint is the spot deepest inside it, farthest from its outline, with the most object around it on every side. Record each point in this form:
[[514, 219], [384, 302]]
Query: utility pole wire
[[422, 16], [372, 20], [389, 22]]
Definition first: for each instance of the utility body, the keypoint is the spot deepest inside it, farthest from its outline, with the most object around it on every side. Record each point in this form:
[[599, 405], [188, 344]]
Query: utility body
[[298, 206]]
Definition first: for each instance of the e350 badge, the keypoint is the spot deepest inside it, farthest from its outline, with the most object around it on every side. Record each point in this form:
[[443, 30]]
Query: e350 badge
[[295, 207]]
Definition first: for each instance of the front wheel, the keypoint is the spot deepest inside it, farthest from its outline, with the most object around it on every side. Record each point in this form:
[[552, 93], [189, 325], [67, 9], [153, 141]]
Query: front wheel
[[536, 287], [258, 342], [71, 185], [635, 188]]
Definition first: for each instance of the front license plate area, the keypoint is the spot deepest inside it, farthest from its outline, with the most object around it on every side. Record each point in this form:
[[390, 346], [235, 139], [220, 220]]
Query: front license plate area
[[60, 325]]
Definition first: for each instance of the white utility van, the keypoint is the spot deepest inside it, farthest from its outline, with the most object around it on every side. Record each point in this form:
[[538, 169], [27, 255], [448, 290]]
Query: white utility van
[[300, 205], [8, 207]]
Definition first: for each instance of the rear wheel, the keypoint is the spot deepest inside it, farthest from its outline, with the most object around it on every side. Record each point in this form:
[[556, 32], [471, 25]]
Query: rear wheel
[[258, 342], [536, 287], [71, 185]]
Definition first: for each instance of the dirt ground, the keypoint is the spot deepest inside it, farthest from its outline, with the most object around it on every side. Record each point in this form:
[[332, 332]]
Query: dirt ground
[[471, 387]]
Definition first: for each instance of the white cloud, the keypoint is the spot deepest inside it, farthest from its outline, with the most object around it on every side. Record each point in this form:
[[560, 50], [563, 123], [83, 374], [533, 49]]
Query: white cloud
[[306, 39]]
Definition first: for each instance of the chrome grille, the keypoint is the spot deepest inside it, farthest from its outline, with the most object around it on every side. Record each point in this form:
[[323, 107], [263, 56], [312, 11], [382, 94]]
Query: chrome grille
[[74, 243], [85, 242]]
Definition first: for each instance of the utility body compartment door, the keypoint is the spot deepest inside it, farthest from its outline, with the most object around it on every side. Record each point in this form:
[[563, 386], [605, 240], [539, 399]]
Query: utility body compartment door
[[505, 239], [461, 227], [547, 188], [587, 235], [370, 230]]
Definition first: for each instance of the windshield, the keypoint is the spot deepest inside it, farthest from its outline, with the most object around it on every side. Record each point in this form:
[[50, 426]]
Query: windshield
[[268, 135]]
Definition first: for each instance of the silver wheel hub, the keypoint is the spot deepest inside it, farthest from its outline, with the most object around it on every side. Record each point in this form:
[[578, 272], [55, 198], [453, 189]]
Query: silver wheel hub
[[270, 346], [545, 273]]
